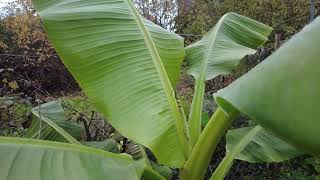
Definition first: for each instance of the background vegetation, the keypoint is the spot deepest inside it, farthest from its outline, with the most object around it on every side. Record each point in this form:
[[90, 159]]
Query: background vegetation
[[31, 71]]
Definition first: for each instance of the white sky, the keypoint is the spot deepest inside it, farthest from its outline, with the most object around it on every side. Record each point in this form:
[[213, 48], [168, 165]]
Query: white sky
[[3, 2]]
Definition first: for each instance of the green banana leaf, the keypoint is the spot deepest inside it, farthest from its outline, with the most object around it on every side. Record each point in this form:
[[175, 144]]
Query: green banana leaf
[[170, 47], [39, 160], [54, 125], [255, 145], [219, 52], [119, 60], [282, 93], [109, 145], [164, 171], [259, 145]]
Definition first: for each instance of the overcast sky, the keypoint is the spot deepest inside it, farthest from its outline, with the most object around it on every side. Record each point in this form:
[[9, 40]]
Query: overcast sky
[[3, 2]]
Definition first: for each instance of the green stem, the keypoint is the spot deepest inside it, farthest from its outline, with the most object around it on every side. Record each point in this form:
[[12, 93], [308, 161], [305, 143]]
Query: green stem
[[196, 110], [196, 166]]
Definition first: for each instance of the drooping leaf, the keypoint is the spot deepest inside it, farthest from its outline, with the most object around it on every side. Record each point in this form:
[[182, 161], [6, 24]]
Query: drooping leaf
[[224, 46], [39, 160], [219, 52], [255, 145], [162, 170], [109, 145], [115, 58], [262, 146], [54, 126], [282, 93], [150, 174]]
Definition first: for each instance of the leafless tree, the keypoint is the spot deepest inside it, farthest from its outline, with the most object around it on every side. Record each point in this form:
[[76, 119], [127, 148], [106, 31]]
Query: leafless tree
[[161, 12]]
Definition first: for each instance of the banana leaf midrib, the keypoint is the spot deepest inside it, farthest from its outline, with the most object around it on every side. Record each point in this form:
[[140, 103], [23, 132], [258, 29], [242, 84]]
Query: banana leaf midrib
[[56, 127], [180, 124]]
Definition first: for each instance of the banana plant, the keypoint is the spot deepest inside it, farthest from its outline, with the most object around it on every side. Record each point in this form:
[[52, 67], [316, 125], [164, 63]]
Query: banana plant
[[128, 68]]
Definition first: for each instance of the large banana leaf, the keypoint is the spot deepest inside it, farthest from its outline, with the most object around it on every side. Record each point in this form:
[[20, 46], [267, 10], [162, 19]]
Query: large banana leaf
[[219, 52], [50, 120], [114, 54], [282, 93], [170, 47], [43, 160], [255, 145]]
